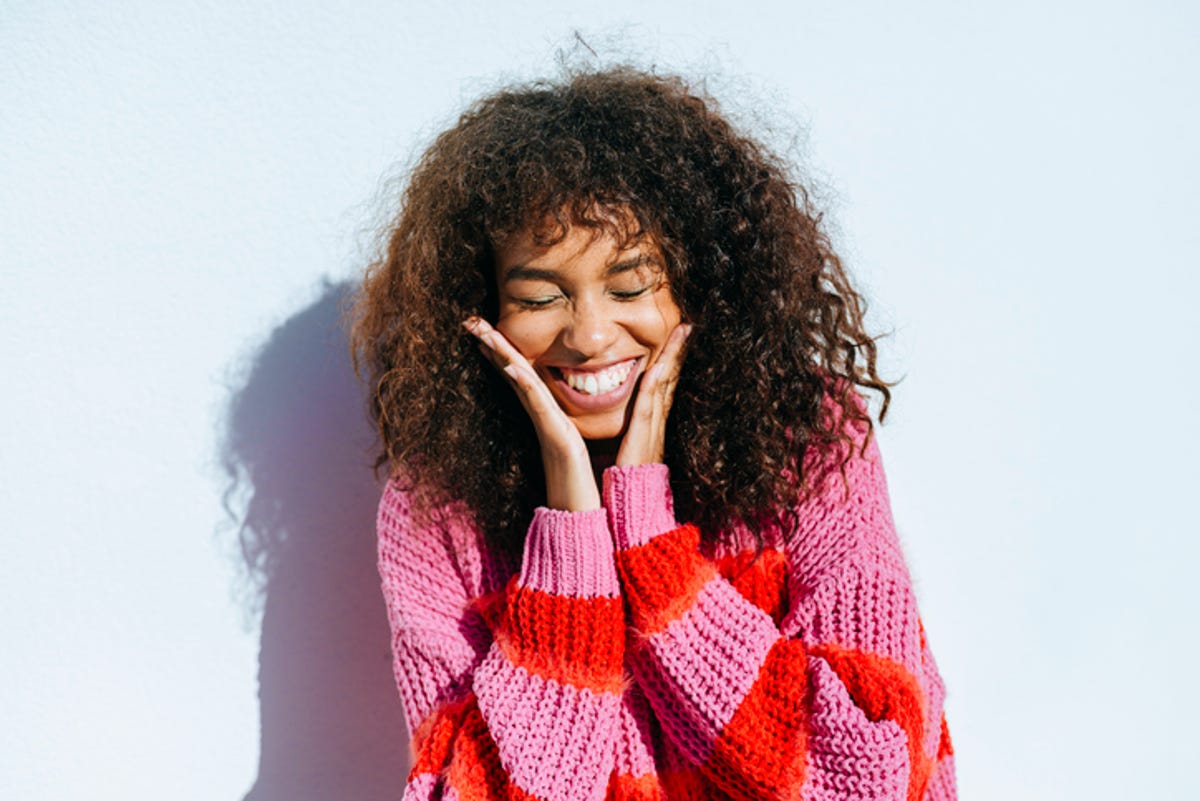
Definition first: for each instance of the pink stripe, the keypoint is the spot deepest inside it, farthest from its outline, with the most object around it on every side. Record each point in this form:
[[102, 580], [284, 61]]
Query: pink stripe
[[422, 788], [706, 662], [437, 639], [570, 554], [868, 605], [943, 785], [831, 525], [639, 503], [849, 756], [555, 741], [634, 746], [429, 677], [935, 699]]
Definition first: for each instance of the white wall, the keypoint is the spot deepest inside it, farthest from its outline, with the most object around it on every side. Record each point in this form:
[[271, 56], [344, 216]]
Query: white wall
[[184, 189]]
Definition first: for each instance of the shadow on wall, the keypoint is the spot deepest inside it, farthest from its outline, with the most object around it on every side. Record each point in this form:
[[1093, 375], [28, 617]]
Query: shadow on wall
[[297, 453]]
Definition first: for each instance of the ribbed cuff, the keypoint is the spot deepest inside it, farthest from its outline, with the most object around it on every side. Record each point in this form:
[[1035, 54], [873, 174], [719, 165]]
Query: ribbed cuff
[[570, 554], [639, 504]]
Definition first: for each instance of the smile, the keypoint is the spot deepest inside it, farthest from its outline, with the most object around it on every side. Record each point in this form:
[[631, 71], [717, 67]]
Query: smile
[[595, 390], [599, 382]]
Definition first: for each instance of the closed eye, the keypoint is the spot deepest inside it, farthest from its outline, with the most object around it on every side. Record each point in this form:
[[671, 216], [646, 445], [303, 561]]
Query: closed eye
[[534, 303], [631, 294]]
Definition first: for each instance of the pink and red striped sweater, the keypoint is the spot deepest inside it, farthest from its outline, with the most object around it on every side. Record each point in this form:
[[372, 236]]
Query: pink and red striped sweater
[[622, 659]]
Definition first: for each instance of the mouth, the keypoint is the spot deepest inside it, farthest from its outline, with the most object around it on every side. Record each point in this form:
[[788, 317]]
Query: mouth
[[595, 390]]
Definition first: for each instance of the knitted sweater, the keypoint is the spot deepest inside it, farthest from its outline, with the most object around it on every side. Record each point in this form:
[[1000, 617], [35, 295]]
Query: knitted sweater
[[623, 659]]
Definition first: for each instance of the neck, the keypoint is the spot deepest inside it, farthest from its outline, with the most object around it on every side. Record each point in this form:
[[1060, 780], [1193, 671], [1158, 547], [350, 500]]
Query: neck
[[603, 453]]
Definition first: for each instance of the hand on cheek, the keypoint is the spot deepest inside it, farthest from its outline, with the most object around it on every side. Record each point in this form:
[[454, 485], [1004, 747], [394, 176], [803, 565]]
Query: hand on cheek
[[570, 484], [645, 438]]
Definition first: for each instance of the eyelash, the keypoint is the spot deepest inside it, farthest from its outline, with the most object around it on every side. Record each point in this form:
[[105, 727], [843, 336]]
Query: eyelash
[[530, 303], [534, 304]]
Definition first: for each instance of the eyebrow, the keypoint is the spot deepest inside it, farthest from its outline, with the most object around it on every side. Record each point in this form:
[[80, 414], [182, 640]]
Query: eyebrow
[[520, 272]]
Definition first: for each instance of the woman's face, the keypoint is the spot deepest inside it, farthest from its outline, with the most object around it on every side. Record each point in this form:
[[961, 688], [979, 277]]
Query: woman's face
[[589, 317]]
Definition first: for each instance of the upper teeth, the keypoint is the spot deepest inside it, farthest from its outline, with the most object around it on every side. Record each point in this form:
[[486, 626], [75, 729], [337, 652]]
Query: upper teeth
[[598, 383]]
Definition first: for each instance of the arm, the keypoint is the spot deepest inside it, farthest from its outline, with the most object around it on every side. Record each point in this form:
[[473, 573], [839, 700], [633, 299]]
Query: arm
[[839, 702], [531, 711]]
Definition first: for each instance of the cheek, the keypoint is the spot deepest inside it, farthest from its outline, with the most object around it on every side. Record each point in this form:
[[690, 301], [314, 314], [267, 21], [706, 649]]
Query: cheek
[[530, 336], [666, 316]]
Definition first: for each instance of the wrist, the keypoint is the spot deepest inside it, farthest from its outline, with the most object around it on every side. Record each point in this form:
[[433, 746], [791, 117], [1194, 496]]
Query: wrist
[[571, 485], [639, 503], [637, 451], [573, 499], [569, 554]]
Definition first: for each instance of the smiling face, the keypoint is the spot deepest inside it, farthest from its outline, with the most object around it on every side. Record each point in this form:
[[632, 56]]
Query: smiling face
[[590, 317]]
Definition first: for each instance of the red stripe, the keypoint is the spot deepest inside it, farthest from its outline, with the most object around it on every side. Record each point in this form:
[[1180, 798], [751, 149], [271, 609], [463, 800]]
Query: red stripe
[[688, 785], [475, 771], [761, 752], [624, 787], [662, 578], [579, 641], [433, 739], [945, 747], [761, 579]]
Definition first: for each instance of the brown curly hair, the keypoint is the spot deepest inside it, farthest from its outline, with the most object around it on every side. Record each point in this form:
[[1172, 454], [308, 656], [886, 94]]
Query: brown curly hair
[[778, 325]]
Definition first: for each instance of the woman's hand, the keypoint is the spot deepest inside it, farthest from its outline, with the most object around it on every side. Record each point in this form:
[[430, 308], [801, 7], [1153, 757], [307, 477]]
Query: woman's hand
[[570, 484], [645, 438]]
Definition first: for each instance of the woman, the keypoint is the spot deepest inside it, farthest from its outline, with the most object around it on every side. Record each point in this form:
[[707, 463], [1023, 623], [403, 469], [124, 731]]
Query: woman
[[636, 539]]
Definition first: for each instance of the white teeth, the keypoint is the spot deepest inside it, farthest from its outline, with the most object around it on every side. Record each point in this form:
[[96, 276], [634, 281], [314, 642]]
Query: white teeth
[[599, 383]]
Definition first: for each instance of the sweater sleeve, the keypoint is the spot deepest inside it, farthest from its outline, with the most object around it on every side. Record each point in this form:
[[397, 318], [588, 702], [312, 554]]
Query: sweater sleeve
[[842, 701], [519, 698]]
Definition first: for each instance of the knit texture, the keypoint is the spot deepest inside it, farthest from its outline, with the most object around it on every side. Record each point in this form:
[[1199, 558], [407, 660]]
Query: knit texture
[[623, 659]]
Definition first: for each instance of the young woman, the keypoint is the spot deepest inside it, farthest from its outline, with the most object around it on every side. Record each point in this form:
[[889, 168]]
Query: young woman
[[636, 540]]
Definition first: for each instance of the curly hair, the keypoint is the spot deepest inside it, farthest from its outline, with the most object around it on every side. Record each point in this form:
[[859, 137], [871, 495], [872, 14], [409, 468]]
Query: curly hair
[[779, 328]]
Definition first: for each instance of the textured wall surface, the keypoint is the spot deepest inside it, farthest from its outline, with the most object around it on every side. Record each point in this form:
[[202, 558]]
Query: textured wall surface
[[191, 609]]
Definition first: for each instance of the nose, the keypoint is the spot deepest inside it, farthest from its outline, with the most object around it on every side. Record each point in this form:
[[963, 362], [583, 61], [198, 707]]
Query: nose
[[591, 329]]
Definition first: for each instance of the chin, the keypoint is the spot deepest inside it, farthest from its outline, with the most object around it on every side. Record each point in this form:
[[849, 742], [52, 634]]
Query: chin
[[608, 426]]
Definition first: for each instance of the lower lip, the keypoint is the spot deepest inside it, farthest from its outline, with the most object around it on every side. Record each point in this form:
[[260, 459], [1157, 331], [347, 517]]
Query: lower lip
[[595, 403]]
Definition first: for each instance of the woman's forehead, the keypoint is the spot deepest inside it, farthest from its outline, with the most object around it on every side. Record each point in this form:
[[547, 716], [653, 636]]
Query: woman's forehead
[[571, 242]]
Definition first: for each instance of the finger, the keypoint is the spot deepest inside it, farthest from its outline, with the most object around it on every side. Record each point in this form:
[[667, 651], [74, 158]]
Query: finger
[[664, 375], [660, 377], [534, 394], [556, 432], [647, 403], [495, 360], [676, 349], [532, 391], [495, 346], [643, 438], [653, 402], [504, 351]]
